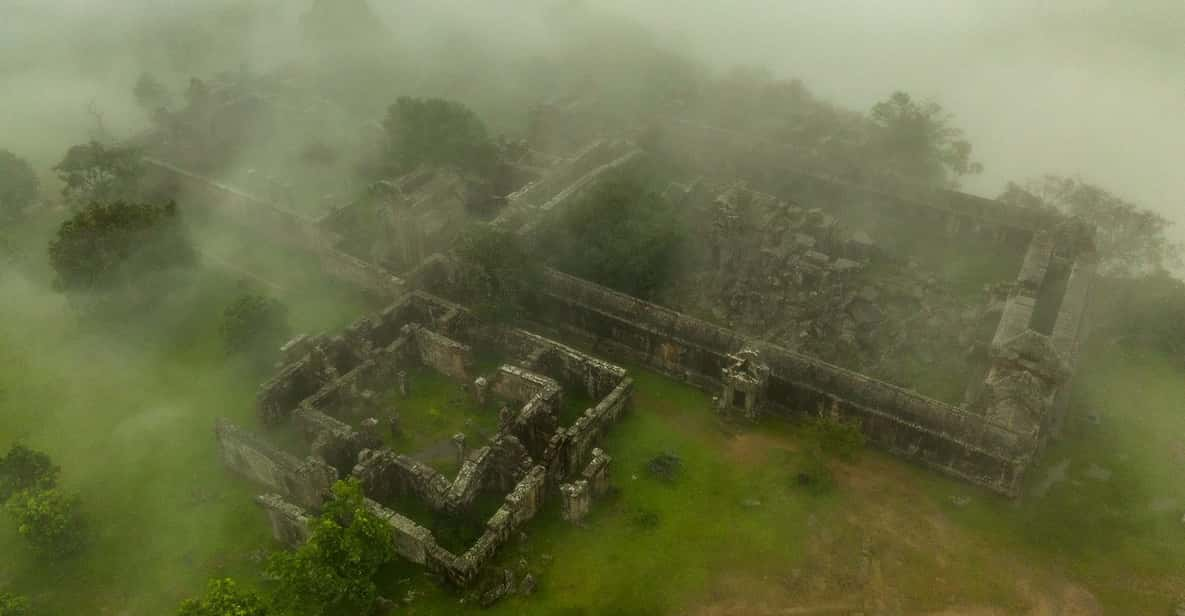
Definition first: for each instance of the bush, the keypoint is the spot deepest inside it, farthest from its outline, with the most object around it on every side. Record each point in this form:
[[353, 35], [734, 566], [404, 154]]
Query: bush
[[12, 605], [832, 435], [254, 323], [25, 469], [438, 132], [225, 598], [50, 520], [813, 474]]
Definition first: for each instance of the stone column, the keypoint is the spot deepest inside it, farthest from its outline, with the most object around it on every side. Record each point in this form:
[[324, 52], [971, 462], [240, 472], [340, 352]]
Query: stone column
[[459, 441], [401, 383], [576, 501]]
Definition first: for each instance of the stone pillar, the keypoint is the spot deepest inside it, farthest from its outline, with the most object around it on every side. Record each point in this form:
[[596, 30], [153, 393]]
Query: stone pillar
[[459, 441], [505, 418], [401, 383], [395, 425], [480, 390], [597, 472], [576, 500]]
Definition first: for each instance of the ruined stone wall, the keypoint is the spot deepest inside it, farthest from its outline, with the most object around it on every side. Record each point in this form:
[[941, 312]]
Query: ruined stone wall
[[938, 435], [290, 524], [765, 164], [444, 355], [572, 368], [283, 227], [518, 385], [305, 483]]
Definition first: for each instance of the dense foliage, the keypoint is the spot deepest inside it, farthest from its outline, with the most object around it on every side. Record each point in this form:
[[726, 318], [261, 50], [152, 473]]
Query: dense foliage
[[18, 184], [498, 274], [106, 244], [333, 572], [50, 520], [917, 142], [13, 605], [150, 93], [25, 469], [438, 132], [254, 323], [93, 172], [623, 234], [224, 597], [1130, 239]]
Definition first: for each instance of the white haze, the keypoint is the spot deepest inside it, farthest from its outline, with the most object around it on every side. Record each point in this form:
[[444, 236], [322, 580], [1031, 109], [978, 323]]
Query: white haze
[[1075, 87]]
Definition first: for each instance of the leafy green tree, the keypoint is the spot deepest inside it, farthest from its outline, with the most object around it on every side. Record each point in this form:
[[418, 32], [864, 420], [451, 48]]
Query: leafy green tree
[[50, 520], [224, 597], [18, 184], [25, 469], [498, 275], [438, 132], [109, 243], [13, 605], [1131, 240], [254, 323], [333, 572], [915, 140], [623, 234], [95, 172]]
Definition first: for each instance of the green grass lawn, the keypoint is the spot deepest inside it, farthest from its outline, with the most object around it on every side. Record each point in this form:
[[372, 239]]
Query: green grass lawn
[[437, 408]]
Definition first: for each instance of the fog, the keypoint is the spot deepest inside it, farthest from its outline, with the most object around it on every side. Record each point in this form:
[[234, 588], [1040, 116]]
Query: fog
[[1080, 88]]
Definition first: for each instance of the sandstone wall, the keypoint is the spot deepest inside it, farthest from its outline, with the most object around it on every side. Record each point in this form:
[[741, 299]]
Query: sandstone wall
[[305, 483]]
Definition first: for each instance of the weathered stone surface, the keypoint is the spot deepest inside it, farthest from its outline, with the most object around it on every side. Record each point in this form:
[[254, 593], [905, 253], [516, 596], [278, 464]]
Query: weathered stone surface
[[290, 524], [305, 483]]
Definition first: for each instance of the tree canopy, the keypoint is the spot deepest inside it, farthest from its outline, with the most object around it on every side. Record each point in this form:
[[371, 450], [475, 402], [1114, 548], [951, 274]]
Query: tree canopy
[[109, 243], [13, 605], [916, 141], [498, 274], [23, 468], [93, 172], [333, 573], [51, 520], [622, 234], [18, 184], [438, 132], [1131, 240]]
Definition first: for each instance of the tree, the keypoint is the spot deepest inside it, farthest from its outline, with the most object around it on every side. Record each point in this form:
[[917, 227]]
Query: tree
[[13, 605], [224, 597], [18, 185], [25, 469], [106, 244], [50, 520], [95, 172], [498, 275], [623, 235], [333, 572], [254, 323], [916, 142], [151, 94], [1130, 240], [438, 132]]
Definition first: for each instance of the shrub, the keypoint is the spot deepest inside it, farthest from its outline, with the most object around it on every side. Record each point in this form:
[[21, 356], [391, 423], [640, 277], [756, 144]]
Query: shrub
[[224, 598], [834, 436], [12, 605]]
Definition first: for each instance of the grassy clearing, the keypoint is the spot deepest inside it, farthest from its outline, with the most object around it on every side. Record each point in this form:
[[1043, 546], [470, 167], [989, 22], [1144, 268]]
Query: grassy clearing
[[437, 408], [654, 546]]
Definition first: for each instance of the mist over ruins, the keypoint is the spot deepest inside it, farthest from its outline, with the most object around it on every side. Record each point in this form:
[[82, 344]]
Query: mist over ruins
[[356, 308]]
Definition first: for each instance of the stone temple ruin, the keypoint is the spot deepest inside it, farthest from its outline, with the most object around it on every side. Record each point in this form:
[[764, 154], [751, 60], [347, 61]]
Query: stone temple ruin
[[329, 391], [810, 288]]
